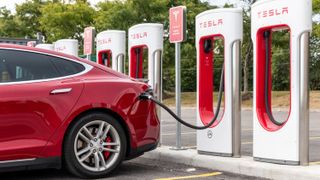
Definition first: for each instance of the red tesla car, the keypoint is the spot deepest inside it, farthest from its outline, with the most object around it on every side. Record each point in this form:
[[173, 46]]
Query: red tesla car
[[58, 110]]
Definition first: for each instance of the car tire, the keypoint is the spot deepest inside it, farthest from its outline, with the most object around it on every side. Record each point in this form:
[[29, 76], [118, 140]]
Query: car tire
[[96, 155]]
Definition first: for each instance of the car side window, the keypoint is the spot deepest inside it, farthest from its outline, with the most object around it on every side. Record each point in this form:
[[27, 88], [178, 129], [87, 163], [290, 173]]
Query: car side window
[[66, 67], [16, 66]]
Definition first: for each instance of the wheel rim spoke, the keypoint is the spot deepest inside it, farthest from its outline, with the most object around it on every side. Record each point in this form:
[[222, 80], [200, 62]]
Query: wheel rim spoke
[[88, 132], [110, 144], [103, 162], [83, 137], [100, 129], [84, 150], [85, 157], [97, 161], [111, 150], [105, 132]]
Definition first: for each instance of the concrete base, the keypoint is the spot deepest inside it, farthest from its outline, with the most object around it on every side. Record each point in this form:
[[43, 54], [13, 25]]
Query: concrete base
[[244, 165]]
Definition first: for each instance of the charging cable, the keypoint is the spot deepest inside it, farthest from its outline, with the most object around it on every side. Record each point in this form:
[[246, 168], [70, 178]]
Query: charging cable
[[266, 36], [148, 96]]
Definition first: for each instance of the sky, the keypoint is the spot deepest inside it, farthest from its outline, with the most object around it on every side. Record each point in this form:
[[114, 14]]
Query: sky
[[10, 4]]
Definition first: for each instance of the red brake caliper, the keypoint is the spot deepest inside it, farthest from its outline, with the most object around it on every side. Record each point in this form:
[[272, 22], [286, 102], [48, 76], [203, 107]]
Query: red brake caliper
[[107, 153]]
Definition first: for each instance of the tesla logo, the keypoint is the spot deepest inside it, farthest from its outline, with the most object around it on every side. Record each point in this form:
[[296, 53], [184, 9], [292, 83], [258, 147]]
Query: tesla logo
[[31, 43], [209, 134], [273, 12], [211, 23], [87, 33], [61, 48], [139, 35], [176, 13], [104, 41]]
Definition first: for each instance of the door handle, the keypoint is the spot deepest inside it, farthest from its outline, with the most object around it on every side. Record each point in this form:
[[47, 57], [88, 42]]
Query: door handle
[[61, 91]]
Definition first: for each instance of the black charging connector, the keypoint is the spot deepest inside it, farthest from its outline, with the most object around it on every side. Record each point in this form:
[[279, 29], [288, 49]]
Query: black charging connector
[[208, 46], [137, 51]]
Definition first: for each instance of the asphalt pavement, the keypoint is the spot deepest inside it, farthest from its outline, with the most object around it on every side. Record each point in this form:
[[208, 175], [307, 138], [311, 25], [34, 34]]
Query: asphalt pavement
[[137, 169]]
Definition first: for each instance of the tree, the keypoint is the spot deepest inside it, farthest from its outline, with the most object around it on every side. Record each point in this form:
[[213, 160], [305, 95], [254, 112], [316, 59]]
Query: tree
[[9, 24], [314, 63], [60, 20], [316, 25], [247, 49], [281, 60], [247, 53], [28, 14]]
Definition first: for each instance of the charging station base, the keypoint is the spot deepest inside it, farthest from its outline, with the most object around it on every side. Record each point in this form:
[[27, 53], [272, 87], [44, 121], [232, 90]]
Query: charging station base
[[275, 161], [178, 149], [215, 154]]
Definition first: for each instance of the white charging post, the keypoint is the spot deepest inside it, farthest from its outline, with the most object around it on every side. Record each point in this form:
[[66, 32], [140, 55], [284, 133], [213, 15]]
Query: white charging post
[[111, 46], [149, 37], [67, 46], [286, 142], [223, 137]]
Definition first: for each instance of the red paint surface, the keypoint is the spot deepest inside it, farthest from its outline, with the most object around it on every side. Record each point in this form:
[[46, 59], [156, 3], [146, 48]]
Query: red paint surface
[[100, 60], [33, 123], [263, 118], [206, 76], [133, 61]]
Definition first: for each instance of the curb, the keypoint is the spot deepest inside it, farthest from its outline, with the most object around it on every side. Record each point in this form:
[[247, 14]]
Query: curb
[[244, 165]]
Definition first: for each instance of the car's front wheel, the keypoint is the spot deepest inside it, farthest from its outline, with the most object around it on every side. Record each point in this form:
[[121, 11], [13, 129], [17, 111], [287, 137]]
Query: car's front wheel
[[94, 146]]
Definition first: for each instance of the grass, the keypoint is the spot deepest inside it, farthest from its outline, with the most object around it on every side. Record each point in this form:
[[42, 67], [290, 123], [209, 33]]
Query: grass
[[280, 99]]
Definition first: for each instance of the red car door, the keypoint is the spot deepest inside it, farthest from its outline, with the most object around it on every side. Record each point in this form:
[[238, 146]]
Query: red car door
[[34, 100]]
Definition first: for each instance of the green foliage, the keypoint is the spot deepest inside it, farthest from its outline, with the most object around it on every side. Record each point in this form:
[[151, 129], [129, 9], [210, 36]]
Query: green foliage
[[60, 21], [316, 6], [316, 10], [280, 61], [28, 15], [10, 26], [314, 63]]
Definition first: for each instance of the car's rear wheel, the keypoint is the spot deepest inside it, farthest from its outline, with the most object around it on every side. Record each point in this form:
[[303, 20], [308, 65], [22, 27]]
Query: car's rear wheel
[[94, 146]]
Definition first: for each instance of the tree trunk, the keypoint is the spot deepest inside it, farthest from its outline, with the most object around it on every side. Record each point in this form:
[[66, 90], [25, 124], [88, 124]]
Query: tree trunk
[[246, 69]]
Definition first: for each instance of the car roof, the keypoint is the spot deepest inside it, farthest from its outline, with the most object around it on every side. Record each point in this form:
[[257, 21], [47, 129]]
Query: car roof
[[63, 55]]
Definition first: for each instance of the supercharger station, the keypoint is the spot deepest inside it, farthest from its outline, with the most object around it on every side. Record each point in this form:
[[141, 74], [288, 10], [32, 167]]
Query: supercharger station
[[147, 36], [223, 137], [111, 46], [286, 142], [67, 46], [45, 46]]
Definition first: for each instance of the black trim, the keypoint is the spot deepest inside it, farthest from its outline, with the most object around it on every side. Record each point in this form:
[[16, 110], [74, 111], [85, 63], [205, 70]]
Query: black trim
[[40, 163], [136, 152]]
